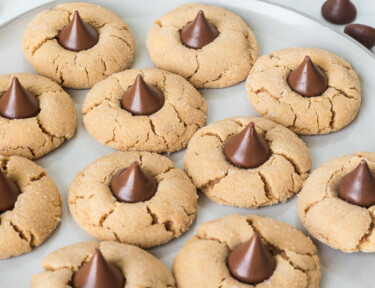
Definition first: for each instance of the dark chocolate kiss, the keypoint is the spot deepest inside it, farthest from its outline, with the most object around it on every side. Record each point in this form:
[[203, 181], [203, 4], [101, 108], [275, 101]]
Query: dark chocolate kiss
[[133, 184], [308, 79], [198, 33], [362, 33], [247, 149], [339, 11], [142, 99], [358, 186], [98, 273], [9, 192], [78, 35], [18, 103], [251, 262]]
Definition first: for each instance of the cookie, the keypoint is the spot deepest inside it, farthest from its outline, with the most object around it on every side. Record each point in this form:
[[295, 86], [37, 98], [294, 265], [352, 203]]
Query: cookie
[[168, 129], [37, 209], [272, 97], [54, 123], [202, 262], [224, 61], [331, 219], [139, 268], [279, 177], [112, 51], [106, 216]]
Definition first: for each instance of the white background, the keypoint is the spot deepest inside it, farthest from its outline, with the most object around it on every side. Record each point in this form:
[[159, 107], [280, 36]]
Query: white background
[[365, 8]]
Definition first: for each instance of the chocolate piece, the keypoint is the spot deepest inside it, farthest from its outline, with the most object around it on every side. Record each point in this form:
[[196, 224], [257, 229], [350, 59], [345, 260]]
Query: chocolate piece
[[78, 35], [133, 184], [142, 99], [18, 103], [308, 79], [358, 186], [198, 33], [247, 149], [251, 262], [98, 273], [339, 11], [9, 192], [362, 33]]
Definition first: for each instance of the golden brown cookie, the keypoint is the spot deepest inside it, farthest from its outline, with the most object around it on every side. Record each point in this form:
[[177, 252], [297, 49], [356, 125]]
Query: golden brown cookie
[[328, 218], [278, 179], [54, 124], [167, 215], [167, 130], [224, 62], [202, 261], [35, 214], [112, 53], [140, 268], [271, 96]]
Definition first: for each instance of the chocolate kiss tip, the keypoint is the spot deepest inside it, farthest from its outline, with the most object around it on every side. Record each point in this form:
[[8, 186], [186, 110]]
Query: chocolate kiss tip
[[9, 192], [198, 33], [308, 79], [133, 184], [98, 273], [142, 99], [247, 149], [362, 33], [18, 103], [339, 11], [251, 262], [358, 186], [78, 35]]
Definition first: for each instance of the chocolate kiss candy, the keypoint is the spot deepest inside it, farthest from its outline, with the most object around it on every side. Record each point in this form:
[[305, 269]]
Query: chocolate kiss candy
[[362, 33], [358, 186], [78, 35], [142, 99], [9, 192], [198, 33], [251, 262], [98, 273], [18, 103], [308, 79], [247, 149], [339, 11], [133, 184]]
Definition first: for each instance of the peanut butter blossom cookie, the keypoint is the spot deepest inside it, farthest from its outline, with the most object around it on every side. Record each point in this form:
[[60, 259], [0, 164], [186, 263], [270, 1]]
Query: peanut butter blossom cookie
[[36, 115], [337, 203], [247, 162], [30, 206], [210, 46], [309, 90], [148, 110], [78, 44], [102, 264], [137, 198], [247, 251]]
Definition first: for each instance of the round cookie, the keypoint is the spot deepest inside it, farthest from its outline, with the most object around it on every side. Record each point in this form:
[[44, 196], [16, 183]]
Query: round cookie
[[167, 215], [167, 130], [140, 268], [112, 53], [224, 62], [328, 218], [279, 178], [36, 212], [54, 124], [271, 96], [202, 261]]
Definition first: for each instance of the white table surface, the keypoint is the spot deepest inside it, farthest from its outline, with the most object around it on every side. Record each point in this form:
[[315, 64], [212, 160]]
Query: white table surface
[[365, 8]]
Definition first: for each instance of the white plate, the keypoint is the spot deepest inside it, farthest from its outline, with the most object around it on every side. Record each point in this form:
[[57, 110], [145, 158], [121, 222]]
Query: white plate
[[275, 28]]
